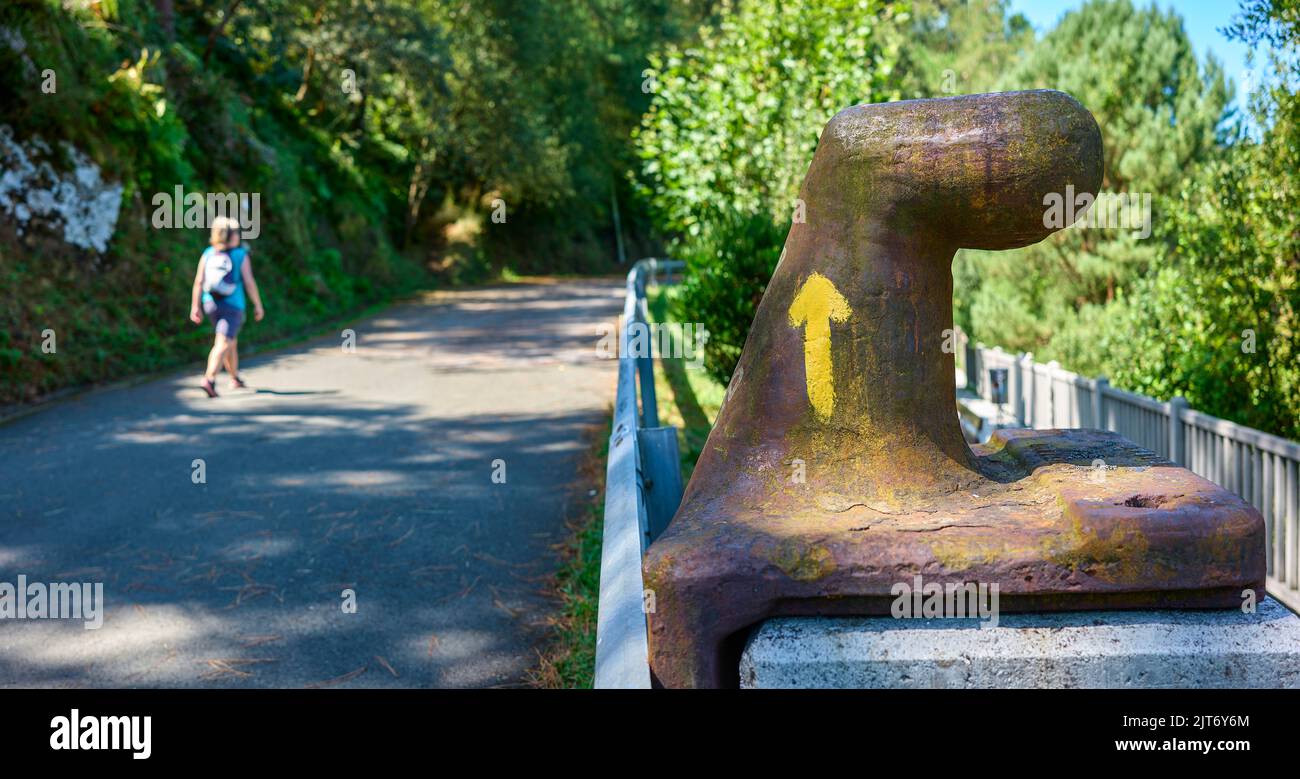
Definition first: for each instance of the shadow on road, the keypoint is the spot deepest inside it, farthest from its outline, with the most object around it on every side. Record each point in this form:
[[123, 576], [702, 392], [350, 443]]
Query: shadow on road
[[225, 532], [288, 393]]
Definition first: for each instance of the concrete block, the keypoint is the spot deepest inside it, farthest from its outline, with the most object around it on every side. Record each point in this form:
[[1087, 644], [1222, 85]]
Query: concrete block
[[1098, 649]]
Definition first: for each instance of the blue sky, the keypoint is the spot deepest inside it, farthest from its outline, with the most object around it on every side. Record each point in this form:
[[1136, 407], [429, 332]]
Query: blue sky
[[1202, 18]]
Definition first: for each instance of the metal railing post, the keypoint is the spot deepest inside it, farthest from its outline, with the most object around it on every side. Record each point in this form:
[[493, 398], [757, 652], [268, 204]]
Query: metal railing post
[[1025, 403], [1175, 408], [645, 364], [1099, 386]]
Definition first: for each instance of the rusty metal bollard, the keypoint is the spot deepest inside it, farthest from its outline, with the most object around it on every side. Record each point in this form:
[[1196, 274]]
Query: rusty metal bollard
[[845, 380]]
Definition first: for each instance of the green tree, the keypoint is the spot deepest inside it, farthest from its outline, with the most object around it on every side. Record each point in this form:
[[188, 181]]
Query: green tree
[[1160, 112], [1220, 322], [735, 118], [736, 115], [961, 46], [457, 104]]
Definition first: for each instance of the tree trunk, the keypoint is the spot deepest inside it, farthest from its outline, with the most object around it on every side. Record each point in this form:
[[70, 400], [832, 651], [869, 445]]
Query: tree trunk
[[167, 17], [216, 31], [415, 193], [311, 57], [306, 75]]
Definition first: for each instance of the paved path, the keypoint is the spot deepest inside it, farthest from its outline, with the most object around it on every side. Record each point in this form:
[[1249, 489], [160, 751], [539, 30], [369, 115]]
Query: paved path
[[370, 471]]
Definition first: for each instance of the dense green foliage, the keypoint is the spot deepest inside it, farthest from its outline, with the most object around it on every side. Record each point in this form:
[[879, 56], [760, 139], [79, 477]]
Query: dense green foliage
[[399, 143], [728, 264], [1203, 306], [736, 115], [153, 117], [1220, 321], [392, 144], [1160, 112], [960, 47]]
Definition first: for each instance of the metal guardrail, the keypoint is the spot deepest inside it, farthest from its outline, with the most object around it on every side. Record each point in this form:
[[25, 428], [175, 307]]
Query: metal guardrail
[[643, 487], [1263, 469]]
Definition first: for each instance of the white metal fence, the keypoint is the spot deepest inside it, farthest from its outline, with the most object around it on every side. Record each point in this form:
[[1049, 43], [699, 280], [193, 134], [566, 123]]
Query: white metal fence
[[1263, 469]]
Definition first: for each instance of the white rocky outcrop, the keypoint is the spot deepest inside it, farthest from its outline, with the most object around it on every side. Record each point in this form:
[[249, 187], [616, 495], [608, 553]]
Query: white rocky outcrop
[[78, 203]]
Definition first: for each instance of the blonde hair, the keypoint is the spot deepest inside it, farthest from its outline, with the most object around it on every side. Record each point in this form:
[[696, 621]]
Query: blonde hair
[[224, 231]]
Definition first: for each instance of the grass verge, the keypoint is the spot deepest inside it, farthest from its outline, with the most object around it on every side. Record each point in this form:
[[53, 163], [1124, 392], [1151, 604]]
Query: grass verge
[[569, 659], [688, 398]]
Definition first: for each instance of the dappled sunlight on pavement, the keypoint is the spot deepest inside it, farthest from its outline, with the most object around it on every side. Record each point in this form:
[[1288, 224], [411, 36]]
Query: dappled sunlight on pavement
[[369, 471]]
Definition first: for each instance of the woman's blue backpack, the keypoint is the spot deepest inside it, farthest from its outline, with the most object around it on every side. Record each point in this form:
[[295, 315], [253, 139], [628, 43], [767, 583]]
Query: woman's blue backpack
[[219, 275]]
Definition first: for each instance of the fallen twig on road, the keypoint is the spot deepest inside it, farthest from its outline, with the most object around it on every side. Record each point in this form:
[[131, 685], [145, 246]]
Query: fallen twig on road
[[230, 666], [347, 677]]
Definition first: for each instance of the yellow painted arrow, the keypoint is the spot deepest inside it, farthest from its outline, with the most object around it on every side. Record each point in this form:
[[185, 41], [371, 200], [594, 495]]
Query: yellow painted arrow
[[814, 308]]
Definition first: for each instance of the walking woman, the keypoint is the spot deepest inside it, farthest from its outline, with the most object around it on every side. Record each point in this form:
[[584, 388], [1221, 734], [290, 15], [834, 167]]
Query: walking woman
[[225, 272]]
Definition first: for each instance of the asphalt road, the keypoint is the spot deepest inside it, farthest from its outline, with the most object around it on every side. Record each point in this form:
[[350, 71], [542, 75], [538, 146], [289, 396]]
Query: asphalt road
[[370, 471]]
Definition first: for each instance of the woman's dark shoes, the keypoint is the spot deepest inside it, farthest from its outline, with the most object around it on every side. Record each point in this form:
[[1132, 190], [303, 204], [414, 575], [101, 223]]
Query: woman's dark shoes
[[210, 387]]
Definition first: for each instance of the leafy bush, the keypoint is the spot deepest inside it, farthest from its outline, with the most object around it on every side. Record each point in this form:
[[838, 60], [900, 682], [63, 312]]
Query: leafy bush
[[1217, 323], [728, 265], [736, 117]]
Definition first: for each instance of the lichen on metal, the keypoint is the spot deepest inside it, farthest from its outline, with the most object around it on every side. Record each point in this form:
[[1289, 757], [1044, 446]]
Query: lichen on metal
[[861, 300]]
